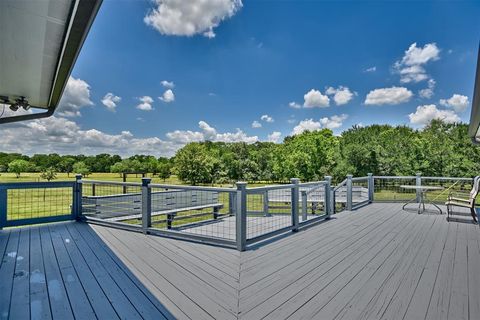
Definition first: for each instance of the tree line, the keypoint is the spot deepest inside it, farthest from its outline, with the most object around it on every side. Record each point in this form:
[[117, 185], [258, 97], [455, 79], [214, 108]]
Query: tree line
[[440, 149]]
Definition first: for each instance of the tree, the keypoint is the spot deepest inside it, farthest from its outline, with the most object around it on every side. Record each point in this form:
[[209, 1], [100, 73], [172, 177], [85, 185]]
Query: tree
[[18, 166], [48, 174], [81, 168], [66, 165], [193, 164], [164, 170]]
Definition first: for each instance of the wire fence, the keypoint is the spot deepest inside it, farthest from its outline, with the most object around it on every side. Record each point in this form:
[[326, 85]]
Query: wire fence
[[208, 212], [112, 201], [360, 191], [389, 189], [30, 203], [458, 186], [269, 209]]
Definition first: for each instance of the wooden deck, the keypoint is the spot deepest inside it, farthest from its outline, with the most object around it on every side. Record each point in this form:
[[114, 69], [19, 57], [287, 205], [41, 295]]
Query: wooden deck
[[378, 262]]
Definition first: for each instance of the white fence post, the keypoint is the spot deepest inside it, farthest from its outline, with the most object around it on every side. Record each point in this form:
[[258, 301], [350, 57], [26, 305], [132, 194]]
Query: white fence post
[[241, 216], [146, 204], [295, 196], [349, 195]]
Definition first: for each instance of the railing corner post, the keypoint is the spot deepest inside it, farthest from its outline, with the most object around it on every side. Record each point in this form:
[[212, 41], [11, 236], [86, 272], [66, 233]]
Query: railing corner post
[[146, 204], [77, 199], [371, 188], [3, 208], [295, 202], [241, 216], [328, 197], [418, 183], [349, 192]]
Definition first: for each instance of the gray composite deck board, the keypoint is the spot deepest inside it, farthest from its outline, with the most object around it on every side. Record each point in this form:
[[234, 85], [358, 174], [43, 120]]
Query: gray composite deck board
[[377, 262]]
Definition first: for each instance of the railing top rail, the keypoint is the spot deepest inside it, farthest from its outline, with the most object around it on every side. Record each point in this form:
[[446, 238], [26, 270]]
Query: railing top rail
[[199, 188], [269, 188], [359, 178], [448, 178], [32, 185], [394, 177], [422, 177], [312, 183], [118, 183]]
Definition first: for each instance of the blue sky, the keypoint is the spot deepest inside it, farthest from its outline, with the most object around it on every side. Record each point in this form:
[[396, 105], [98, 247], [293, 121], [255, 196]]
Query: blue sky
[[302, 64]]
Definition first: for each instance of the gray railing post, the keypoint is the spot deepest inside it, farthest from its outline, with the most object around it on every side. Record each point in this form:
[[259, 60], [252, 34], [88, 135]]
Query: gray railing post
[[328, 196], [146, 204], [349, 204], [3, 207], [77, 197], [304, 205], [295, 196], [241, 216], [418, 183], [265, 204], [371, 187]]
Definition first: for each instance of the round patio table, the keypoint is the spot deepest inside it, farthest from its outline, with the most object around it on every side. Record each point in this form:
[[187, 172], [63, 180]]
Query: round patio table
[[423, 197]]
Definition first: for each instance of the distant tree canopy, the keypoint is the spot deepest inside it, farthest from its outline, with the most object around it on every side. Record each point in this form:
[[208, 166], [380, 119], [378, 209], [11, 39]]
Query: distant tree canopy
[[440, 149]]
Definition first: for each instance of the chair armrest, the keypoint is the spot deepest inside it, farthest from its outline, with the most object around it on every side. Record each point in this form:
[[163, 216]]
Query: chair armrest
[[459, 199]]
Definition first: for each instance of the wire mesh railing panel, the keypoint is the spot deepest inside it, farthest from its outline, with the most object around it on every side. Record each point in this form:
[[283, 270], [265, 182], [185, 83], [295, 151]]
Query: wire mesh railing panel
[[390, 188], [202, 212], [359, 190], [112, 202], [36, 203], [311, 201], [268, 210], [459, 187], [340, 197]]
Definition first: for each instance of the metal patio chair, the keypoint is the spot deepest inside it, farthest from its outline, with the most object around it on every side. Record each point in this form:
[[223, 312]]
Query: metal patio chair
[[456, 201]]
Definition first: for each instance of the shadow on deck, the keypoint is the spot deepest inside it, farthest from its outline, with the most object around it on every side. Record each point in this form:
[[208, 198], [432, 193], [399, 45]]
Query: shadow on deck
[[377, 262]]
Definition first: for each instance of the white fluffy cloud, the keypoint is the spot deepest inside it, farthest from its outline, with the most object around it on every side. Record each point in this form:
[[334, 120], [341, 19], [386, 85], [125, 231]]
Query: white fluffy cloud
[[75, 97], [315, 98], [341, 95], [64, 136], [457, 102], [209, 133], [110, 101], [424, 114], [146, 103], [188, 18], [168, 84], [256, 124], [168, 96], [266, 118], [391, 96], [274, 137], [333, 122], [294, 105], [427, 93], [371, 69], [411, 67]]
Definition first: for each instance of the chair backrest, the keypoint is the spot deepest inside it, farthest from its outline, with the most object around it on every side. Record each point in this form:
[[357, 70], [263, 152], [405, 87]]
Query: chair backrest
[[476, 188]]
